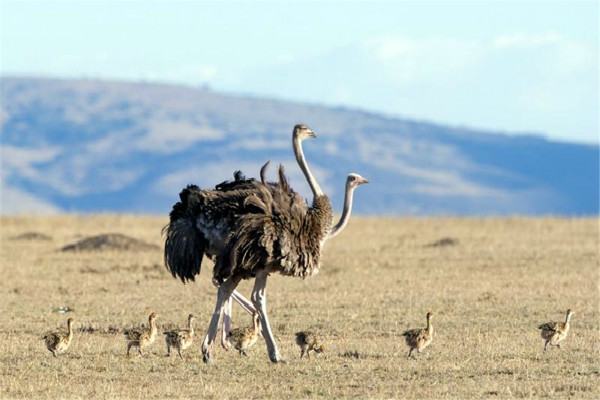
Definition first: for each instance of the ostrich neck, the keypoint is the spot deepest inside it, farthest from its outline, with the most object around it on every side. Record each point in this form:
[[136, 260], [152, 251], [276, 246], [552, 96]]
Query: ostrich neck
[[339, 227], [152, 327], [70, 330], [568, 319], [312, 182], [190, 327], [429, 326]]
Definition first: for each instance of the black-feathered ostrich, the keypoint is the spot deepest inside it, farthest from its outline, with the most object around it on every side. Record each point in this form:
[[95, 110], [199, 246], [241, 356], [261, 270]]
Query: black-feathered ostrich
[[252, 229]]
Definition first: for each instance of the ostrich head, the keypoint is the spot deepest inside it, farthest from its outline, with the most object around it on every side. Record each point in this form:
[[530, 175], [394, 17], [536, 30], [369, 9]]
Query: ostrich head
[[70, 321], [152, 317], [429, 315], [355, 180], [319, 347], [302, 132], [569, 314], [191, 317]]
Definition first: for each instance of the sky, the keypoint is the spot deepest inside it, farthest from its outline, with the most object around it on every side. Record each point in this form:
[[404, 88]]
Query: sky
[[512, 66]]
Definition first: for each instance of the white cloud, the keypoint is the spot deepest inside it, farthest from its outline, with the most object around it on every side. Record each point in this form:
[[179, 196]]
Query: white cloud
[[410, 60], [21, 160], [15, 201], [522, 40], [173, 136]]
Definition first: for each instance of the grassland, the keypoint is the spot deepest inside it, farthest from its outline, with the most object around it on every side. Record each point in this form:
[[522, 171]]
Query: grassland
[[489, 289]]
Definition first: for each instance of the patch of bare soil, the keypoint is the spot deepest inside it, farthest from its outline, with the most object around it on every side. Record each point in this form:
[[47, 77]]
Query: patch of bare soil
[[444, 242], [32, 236], [110, 241]]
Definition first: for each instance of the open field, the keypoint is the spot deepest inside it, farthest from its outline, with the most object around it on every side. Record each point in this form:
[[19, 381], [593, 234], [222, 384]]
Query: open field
[[488, 289]]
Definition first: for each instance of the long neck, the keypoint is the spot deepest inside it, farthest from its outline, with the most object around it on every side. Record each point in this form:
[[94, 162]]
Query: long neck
[[568, 318], [152, 327], [190, 326], [312, 182], [339, 227], [70, 329], [429, 326]]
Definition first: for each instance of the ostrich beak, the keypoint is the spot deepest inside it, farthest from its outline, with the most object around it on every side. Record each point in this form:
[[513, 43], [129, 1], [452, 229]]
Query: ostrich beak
[[311, 134], [363, 180]]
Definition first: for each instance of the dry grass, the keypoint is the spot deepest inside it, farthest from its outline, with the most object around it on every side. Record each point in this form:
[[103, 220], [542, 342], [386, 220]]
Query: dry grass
[[489, 287]]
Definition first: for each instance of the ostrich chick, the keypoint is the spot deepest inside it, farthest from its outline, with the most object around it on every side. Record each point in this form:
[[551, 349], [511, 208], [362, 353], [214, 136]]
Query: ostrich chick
[[244, 338], [308, 341], [418, 339], [58, 341], [555, 332], [180, 339], [142, 337]]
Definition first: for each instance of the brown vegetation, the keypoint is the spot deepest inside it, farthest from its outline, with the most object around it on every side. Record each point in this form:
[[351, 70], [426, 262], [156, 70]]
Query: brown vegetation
[[378, 278]]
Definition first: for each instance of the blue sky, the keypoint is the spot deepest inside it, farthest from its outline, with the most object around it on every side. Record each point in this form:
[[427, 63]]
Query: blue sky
[[511, 66]]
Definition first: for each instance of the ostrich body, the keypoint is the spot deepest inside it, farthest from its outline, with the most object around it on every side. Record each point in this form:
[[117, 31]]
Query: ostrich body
[[142, 337], [555, 332], [58, 342], [244, 338], [201, 222], [309, 341], [418, 339], [180, 339]]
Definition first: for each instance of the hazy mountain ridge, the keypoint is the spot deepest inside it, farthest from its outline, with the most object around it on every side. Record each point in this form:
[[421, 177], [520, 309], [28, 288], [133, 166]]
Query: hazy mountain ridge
[[84, 145]]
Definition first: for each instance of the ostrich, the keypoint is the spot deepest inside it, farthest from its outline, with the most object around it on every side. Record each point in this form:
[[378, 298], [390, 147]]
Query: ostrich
[[353, 180], [142, 337], [555, 332], [308, 340], [418, 339], [278, 233], [58, 342], [180, 339], [203, 220]]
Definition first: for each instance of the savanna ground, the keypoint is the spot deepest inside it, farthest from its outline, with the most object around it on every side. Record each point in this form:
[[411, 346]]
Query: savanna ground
[[489, 288]]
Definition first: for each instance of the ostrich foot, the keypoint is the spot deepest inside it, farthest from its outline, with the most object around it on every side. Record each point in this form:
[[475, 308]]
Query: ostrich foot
[[276, 358], [206, 357], [226, 344]]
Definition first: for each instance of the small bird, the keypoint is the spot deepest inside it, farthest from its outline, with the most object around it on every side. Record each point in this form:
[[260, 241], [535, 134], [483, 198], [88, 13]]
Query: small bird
[[419, 338], [308, 340], [244, 338], [142, 337], [58, 341], [180, 339], [555, 332]]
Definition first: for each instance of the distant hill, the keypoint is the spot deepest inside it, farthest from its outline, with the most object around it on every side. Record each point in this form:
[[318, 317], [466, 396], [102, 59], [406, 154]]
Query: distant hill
[[89, 146]]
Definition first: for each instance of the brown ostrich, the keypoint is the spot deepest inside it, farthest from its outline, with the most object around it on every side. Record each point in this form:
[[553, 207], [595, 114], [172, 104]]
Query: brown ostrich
[[555, 332], [141, 337], [58, 342], [180, 339], [418, 339]]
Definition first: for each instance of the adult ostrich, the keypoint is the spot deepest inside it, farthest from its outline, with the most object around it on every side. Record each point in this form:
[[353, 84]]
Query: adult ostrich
[[277, 232], [202, 220], [353, 180]]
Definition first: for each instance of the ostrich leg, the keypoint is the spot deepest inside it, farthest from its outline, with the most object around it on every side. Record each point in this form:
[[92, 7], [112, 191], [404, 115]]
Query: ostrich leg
[[222, 296], [243, 302], [259, 298], [226, 324]]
